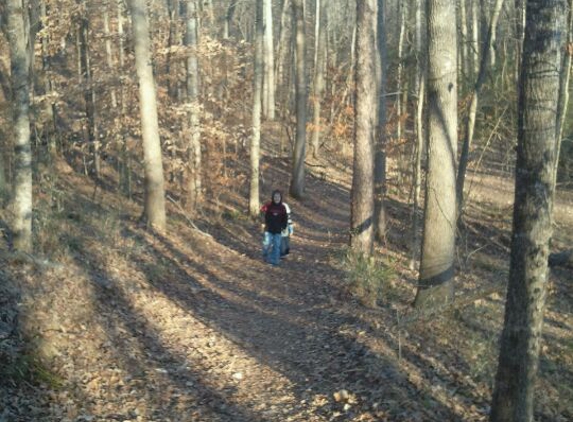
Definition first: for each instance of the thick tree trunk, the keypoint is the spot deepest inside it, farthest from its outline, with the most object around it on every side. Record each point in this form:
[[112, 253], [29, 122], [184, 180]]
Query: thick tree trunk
[[298, 172], [438, 245], [154, 208], [471, 118], [362, 201], [380, 146], [257, 94], [269, 63], [319, 80], [192, 85], [20, 66], [533, 212]]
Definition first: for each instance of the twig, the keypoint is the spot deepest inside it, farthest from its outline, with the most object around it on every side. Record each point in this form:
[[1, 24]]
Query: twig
[[191, 223]]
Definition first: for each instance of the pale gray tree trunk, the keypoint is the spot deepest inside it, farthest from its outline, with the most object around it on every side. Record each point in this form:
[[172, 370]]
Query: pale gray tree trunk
[[487, 50], [108, 52], [319, 73], [563, 104], [257, 99], [154, 208], [420, 96], [18, 38], [435, 286], [380, 222], [533, 211], [402, 33], [125, 172], [365, 117], [464, 36], [91, 133], [475, 37], [269, 63], [298, 172], [192, 85], [284, 52], [229, 17]]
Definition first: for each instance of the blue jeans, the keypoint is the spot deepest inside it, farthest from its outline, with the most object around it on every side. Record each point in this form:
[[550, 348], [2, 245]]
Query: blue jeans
[[272, 248]]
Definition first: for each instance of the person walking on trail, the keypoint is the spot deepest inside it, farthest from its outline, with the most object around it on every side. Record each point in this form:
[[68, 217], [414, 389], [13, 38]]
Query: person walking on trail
[[276, 220], [286, 233]]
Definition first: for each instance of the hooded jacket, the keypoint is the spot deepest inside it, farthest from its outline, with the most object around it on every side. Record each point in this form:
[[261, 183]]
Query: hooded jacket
[[276, 217]]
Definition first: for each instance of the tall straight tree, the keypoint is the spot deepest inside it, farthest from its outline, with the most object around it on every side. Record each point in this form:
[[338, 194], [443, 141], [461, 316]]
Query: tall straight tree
[[362, 201], [192, 85], [269, 63], [435, 285], [319, 71], [380, 145], [20, 75], [298, 183], [545, 32], [154, 207], [257, 97]]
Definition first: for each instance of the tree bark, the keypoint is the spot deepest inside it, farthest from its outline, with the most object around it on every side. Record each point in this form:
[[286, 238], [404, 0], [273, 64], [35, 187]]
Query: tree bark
[[533, 212], [381, 138], [297, 186], [436, 286], [269, 63], [192, 85], [283, 52], [154, 208], [319, 80], [257, 99], [20, 68], [362, 201], [420, 95], [108, 52]]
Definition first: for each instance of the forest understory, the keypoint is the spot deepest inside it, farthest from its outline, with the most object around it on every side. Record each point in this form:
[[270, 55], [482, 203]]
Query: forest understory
[[121, 323]]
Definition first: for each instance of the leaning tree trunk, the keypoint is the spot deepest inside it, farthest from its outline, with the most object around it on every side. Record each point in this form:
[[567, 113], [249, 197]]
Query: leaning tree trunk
[[257, 94], [533, 212], [192, 85], [362, 201], [154, 208], [471, 118], [380, 146], [16, 13], [298, 183], [436, 285]]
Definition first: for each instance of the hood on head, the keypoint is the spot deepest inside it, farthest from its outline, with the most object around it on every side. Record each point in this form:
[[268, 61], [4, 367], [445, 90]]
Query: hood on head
[[276, 191]]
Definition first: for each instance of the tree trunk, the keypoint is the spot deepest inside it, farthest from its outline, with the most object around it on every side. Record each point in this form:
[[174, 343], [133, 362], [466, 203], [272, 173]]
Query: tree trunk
[[257, 94], [89, 94], [420, 95], [283, 53], [436, 286], [125, 172], [471, 118], [475, 38], [381, 139], [298, 179], [362, 201], [192, 85], [154, 208], [563, 104], [402, 32], [173, 10], [108, 52], [533, 212], [20, 68], [229, 18], [319, 71], [464, 39], [269, 63]]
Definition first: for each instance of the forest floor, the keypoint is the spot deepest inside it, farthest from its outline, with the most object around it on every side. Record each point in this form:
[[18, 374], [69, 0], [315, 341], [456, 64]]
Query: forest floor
[[120, 323]]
